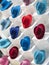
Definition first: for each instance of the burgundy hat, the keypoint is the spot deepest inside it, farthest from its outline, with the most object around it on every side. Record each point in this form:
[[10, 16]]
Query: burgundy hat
[[39, 31]]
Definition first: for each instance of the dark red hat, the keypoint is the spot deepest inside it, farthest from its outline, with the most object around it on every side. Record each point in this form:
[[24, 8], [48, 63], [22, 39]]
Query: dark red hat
[[39, 31], [13, 52]]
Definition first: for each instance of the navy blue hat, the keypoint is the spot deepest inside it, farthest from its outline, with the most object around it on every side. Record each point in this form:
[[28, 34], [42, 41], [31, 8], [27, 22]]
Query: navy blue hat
[[15, 11], [5, 4], [40, 7], [39, 56], [14, 31], [25, 43], [5, 23], [4, 43]]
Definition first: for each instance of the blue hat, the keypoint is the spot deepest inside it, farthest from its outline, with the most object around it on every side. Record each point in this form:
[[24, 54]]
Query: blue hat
[[14, 31], [25, 43], [15, 11], [5, 4], [5, 23], [39, 56], [4, 43], [40, 7]]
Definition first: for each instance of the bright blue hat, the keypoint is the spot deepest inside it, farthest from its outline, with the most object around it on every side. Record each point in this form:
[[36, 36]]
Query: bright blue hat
[[41, 7], [14, 31], [5, 23], [39, 56], [4, 43], [25, 43], [5, 4], [15, 11]]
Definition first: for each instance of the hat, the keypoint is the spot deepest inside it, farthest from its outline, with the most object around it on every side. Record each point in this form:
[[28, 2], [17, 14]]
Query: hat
[[5, 4], [4, 43], [25, 43], [5, 23], [39, 56], [41, 7], [39, 31], [14, 32], [15, 11]]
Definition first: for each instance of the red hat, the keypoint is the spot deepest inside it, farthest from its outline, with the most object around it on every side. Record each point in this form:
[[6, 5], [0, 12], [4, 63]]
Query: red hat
[[26, 21]]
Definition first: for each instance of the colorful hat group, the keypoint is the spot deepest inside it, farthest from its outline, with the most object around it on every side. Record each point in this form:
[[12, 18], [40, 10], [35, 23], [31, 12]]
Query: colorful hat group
[[24, 42]]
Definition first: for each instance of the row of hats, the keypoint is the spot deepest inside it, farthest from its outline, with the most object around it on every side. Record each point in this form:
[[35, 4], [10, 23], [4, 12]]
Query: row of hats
[[39, 57], [15, 11], [26, 22], [5, 4], [39, 32]]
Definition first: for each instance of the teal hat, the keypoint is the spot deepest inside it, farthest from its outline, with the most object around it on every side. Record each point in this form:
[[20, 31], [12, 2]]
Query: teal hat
[[39, 56], [4, 43]]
